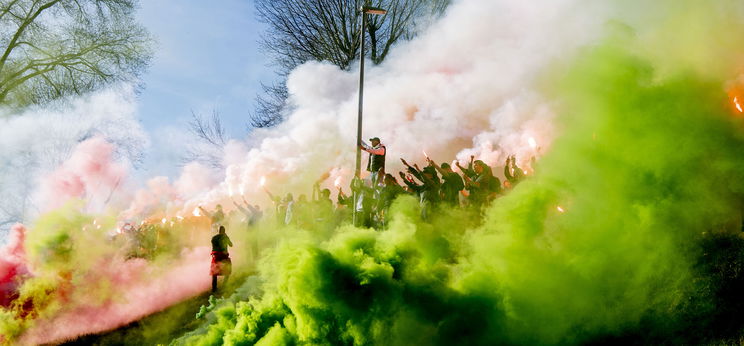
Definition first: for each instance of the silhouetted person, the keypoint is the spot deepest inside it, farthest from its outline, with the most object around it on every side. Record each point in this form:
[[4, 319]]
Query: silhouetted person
[[452, 185], [217, 217], [322, 204], [428, 191], [282, 207], [512, 172], [469, 171], [221, 264], [252, 213], [386, 194], [484, 187]]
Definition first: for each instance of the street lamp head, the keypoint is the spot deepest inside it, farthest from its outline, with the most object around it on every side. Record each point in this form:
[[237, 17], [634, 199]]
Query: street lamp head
[[373, 10]]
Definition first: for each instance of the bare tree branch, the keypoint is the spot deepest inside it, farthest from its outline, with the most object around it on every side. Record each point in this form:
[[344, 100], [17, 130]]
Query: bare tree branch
[[329, 30], [211, 140], [270, 106]]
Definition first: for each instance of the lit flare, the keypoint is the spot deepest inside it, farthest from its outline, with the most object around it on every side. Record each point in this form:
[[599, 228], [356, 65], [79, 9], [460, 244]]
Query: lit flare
[[262, 182], [337, 182], [738, 105], [532, 142]]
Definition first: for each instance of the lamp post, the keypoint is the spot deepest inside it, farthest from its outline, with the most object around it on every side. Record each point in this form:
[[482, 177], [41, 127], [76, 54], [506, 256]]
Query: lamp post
[[365, 11]]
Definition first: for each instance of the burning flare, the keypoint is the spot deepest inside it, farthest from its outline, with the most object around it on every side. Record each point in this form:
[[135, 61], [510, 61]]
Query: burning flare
[[560, 209], [262, 182], [532, 142], [337, 182], [197, 212], [738, 106]]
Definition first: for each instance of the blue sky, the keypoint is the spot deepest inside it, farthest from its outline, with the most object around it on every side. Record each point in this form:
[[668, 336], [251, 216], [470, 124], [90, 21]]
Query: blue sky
[[206, 58]]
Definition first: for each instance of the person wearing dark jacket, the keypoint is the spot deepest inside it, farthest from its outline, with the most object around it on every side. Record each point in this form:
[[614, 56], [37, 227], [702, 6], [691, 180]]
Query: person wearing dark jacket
[[221, 263], [376, 163], [512, 172], [452, 185], [322, 204], [386, 194], [429, 189], [469, 171], [484, 187], [389, 192]]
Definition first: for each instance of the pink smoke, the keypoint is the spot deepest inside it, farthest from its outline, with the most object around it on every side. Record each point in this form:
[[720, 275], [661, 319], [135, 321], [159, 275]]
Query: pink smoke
[[158, 194], [12, 264], [90, 173], [140, 289]]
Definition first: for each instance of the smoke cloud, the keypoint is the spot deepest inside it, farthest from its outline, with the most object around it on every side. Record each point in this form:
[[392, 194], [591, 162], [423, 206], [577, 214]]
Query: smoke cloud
[[39, 140], [639, 170]]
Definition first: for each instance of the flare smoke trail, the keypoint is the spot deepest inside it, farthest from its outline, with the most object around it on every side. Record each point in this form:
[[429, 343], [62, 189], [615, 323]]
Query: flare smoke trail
[[637, 144]]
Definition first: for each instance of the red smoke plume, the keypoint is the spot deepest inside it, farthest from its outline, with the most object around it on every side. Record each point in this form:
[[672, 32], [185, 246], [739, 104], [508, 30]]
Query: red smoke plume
[[12, 264]]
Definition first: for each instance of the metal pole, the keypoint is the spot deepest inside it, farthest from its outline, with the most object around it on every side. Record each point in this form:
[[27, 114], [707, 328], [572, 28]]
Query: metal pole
[[361, 99], [357, 170]]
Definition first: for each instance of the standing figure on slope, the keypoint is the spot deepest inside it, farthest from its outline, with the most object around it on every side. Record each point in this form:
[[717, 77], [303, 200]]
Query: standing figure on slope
[[221, 263]]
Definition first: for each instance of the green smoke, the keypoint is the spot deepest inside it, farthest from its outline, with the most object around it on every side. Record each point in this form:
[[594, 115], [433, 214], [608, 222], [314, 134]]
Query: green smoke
[[645, 166], [649, 172]]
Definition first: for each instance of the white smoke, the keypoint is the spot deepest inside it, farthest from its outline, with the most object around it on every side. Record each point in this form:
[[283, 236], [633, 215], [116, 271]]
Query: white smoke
[[464, 87], [37, 141]]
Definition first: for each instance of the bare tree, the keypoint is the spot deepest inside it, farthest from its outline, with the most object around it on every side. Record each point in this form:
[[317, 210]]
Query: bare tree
[[329, 30], [50, 49], [270, 106], [211, 140]]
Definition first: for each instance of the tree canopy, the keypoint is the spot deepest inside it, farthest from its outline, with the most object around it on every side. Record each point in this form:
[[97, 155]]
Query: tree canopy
[[50, 49]]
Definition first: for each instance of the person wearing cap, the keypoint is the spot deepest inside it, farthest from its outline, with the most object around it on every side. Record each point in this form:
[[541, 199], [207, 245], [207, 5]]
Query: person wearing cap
[[376, 163]]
